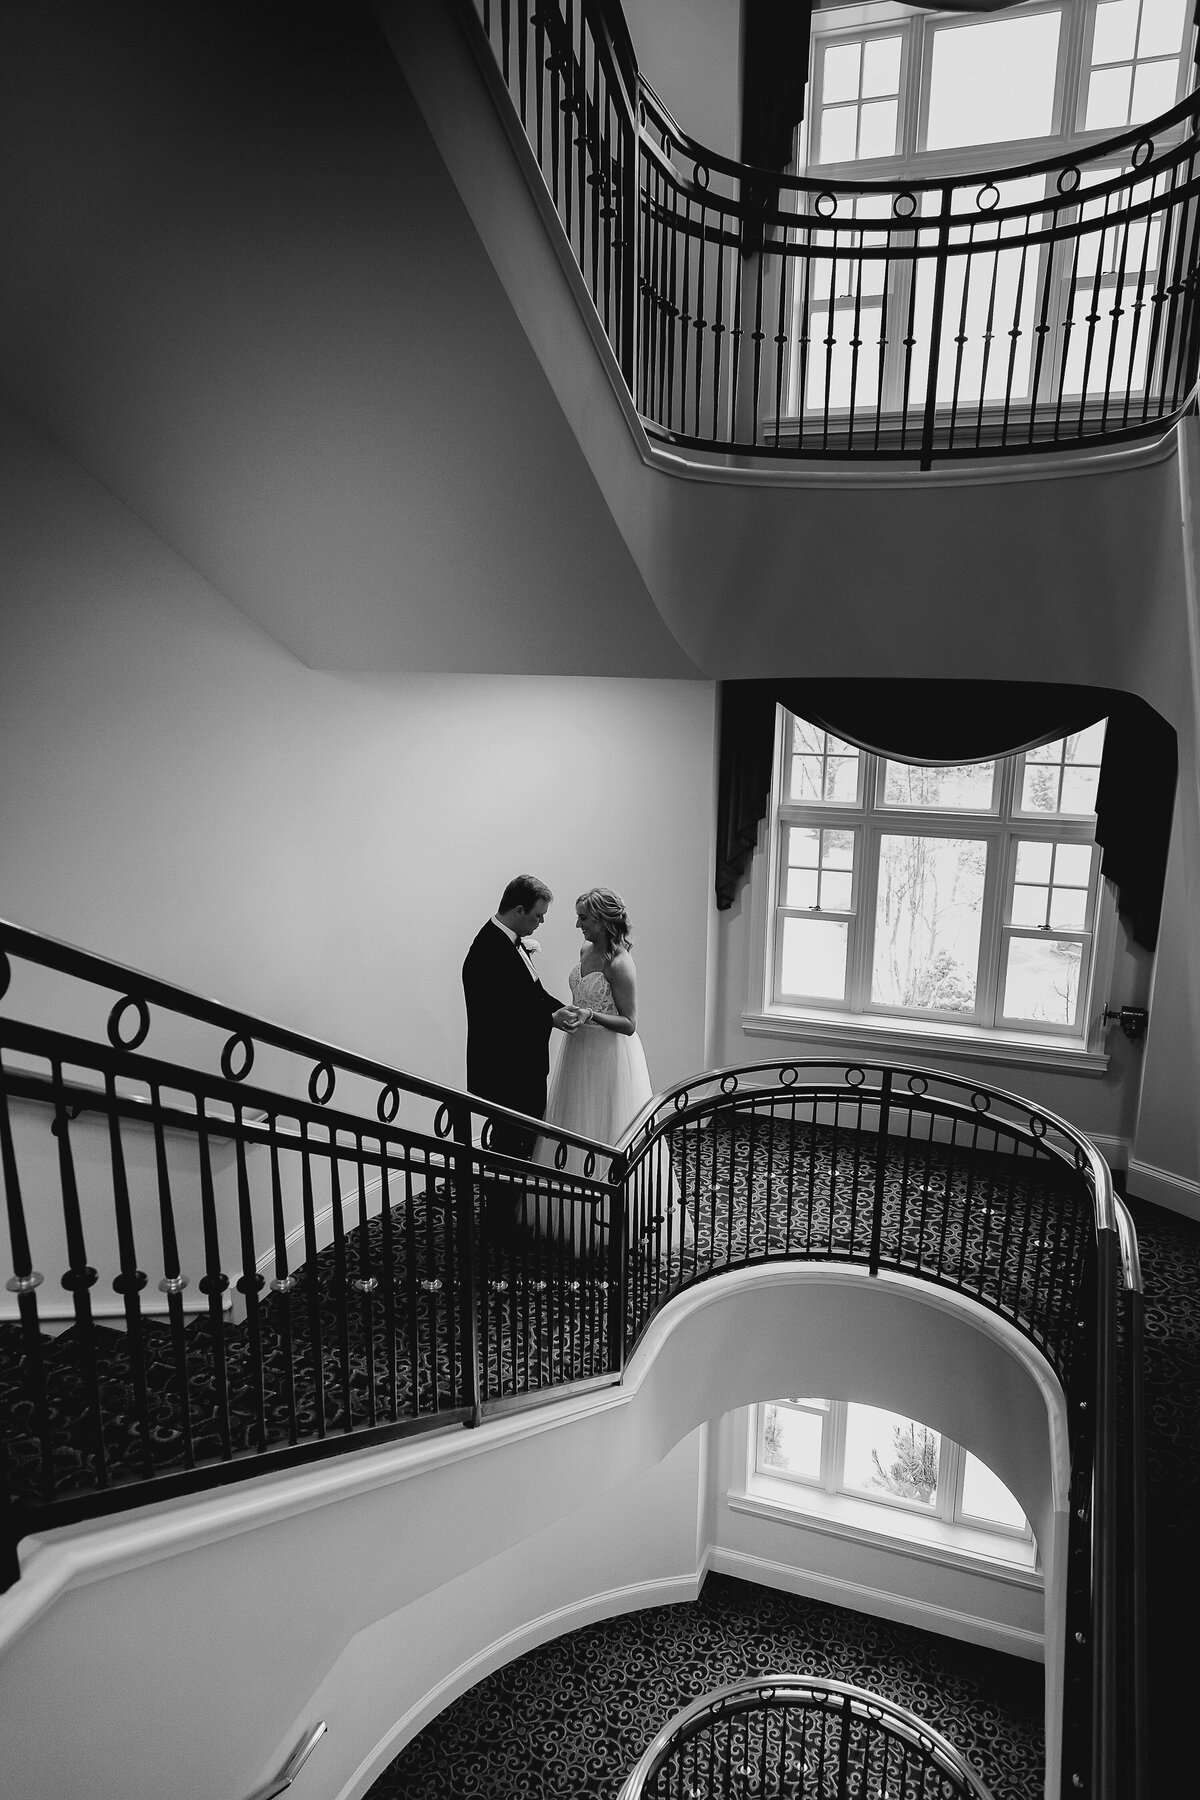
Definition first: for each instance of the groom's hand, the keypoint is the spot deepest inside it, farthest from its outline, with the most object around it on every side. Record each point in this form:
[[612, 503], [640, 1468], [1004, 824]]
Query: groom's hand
[[566, 1018]]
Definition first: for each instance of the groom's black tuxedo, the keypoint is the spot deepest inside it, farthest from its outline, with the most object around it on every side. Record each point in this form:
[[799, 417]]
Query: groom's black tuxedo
[[508, 1032]]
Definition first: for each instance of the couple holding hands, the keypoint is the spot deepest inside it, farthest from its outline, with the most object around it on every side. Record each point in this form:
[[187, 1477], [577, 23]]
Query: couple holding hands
[[601, 1081]]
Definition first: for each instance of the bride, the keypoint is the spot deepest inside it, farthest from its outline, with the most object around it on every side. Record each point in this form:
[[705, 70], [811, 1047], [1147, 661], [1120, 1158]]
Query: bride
[[602, 1082]]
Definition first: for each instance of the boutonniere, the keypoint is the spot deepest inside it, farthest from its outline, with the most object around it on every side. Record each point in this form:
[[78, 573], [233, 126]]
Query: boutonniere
[[531, 946]]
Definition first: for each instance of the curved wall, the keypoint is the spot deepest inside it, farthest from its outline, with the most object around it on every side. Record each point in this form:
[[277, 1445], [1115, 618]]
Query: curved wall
[[367, 1590]]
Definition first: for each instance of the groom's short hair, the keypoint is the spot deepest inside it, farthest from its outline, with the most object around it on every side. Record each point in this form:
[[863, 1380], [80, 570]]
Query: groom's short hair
[[524, 891]]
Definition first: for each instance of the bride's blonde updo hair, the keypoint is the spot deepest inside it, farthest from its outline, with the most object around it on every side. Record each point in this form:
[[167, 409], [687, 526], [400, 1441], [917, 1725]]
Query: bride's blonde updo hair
[[608, 909]]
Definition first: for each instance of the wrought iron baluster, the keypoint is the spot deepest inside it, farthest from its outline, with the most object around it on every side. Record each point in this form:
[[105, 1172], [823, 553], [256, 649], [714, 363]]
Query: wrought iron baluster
[[214, 1282]]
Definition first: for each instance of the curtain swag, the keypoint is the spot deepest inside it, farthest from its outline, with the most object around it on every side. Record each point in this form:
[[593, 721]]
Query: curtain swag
[[958, 722]]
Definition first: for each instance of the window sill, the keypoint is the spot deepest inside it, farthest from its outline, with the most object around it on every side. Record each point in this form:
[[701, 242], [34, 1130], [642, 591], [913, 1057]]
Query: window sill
[[914, 1037], [1011, 1560]]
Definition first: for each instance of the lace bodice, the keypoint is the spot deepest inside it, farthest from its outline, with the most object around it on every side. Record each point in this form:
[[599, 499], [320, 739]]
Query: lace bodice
[[592, 990]]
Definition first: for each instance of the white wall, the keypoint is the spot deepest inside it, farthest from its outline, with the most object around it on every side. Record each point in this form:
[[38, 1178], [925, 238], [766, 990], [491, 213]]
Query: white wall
[[690, 53], [181, 794]]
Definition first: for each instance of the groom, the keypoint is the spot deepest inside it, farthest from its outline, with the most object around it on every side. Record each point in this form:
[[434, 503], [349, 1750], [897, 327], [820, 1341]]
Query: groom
[[510, 1015]]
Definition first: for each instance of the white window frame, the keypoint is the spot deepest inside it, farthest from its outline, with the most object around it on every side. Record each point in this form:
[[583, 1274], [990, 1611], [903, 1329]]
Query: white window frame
[[941, 1532], [857, 1023], [917, 29]]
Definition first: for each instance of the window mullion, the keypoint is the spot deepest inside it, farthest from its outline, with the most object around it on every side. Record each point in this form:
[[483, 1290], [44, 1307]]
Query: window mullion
[[951, 1465], [858, 985], [991, 927], [833, 1447]]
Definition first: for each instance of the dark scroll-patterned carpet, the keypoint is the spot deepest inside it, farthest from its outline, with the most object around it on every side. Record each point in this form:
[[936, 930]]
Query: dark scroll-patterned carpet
[[570, 1719]]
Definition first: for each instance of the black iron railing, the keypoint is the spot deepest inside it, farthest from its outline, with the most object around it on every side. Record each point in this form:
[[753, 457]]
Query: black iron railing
[[1045, 306], [795, 1734], [235, 1248]]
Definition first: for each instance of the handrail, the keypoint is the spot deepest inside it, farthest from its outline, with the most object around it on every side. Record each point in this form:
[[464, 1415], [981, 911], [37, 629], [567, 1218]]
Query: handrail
[[293, 1765], [914, 319], [837, 1699], [321, 1238]]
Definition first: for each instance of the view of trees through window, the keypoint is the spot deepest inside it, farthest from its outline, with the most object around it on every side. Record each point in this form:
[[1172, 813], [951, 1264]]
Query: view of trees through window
[[966, 891], [843, 1447]]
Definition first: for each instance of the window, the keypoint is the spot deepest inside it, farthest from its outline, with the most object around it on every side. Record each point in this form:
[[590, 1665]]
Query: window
[[964, 896], [886, 83], [803, 1449], [900, 96]]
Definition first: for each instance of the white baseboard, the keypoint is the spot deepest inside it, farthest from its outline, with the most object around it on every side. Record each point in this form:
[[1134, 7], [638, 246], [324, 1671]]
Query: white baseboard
[[294, 1240], [1114, 1150], [879, 1604], [1176, 1192], [609, 1605]]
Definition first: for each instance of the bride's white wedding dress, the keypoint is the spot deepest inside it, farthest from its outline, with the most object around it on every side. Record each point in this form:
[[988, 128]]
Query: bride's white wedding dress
[[599, 1085]]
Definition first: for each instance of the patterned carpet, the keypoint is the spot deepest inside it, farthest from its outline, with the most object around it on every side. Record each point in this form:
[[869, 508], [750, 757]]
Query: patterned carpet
[[569, 1720]]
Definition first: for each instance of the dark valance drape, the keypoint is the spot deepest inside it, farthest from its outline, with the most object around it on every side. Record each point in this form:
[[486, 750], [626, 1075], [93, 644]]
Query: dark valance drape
[[775, 37], [958, 722]]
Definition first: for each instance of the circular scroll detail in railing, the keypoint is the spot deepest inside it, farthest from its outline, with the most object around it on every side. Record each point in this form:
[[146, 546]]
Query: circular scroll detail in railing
[[321, 1084], [825, 204], [560, 1155], [1141, 153], [981, 1102], [917, 1084], [681, 1100], [239, 1041], [441, 1125], [984, 204], [855, 1076], [589, 1163], [905, 204], [729, 1084], [388, 1105], [1037, 1125], [701, 177], [1068, 179], [5, 973], [117, 1015]]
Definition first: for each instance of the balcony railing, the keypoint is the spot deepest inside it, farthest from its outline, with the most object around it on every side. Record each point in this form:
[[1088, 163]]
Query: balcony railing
[[1041, 307], [235, 1248], [796, 1734]]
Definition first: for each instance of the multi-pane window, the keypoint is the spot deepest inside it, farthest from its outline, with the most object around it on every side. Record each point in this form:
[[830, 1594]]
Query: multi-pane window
[[936, 93], [868, 1453], [1133, 61], [965, 893], [941, 82], [860, 97]]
